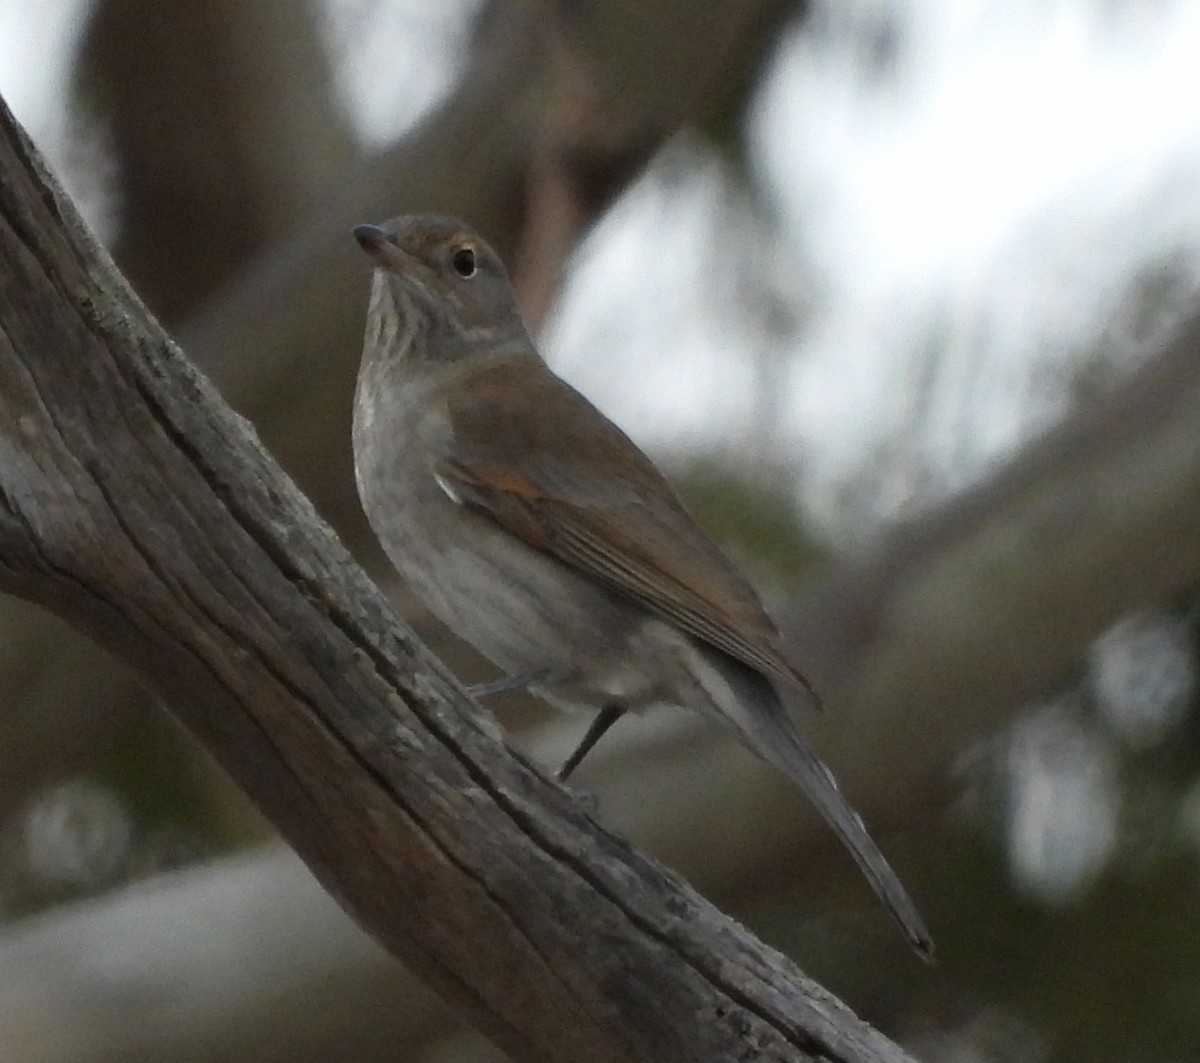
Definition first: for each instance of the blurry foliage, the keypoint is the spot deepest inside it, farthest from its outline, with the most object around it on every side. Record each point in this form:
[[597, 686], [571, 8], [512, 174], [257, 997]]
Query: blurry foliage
[[151, 800], [753, 515], [1111, 974], [174, 789]]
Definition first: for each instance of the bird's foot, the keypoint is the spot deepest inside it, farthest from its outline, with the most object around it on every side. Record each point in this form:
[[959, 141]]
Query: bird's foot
[[601, 722]]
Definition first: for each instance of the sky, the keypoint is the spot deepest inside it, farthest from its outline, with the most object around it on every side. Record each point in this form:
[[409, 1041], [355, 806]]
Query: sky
[[36, 41], [999, 188]]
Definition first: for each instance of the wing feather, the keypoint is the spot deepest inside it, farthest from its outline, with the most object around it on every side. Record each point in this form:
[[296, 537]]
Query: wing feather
[[622, 526]]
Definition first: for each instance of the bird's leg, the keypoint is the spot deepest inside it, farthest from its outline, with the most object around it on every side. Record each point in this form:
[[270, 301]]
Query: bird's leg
[[601, 722], [521, 681]]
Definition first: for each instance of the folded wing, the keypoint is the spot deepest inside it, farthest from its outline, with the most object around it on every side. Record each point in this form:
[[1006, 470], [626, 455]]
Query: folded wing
[[581, 490]]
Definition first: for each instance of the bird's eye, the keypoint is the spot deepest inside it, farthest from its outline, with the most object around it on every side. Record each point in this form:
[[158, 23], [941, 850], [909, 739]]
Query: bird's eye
[[464, 262]]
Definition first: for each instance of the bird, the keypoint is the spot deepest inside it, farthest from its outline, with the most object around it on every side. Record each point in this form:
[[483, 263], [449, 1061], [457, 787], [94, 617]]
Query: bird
[[538, 531]]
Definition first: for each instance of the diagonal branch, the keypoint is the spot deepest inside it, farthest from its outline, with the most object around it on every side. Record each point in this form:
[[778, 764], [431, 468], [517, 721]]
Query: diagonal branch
[[137, 506]]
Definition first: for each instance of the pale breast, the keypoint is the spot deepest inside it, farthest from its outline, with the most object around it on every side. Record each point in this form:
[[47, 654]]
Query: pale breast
[[522, 609]]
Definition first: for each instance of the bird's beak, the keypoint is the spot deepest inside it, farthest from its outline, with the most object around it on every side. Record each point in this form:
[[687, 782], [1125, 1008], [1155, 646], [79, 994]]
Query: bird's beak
[[377, 243]]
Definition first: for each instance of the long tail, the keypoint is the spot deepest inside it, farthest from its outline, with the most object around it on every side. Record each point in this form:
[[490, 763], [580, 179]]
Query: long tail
[[763, 723]]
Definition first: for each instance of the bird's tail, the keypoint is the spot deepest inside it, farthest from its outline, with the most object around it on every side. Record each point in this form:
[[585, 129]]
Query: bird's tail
[[763, 723]]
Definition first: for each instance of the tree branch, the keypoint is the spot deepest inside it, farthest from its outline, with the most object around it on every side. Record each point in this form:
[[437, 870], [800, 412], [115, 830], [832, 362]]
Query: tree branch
[[136, 506]]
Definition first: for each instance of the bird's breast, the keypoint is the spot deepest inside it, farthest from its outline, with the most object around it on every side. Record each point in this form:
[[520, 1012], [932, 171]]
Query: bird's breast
[[522, 608]]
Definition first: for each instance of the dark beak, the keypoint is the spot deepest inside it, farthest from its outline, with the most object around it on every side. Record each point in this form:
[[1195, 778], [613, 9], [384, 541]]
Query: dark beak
[[371, 238], [380, 245]]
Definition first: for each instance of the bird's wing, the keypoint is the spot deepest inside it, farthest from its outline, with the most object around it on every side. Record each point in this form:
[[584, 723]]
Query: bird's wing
[[525, 448]]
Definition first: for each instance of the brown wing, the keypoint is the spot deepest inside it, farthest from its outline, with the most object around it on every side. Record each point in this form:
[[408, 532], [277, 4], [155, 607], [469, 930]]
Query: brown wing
[[528, 450]]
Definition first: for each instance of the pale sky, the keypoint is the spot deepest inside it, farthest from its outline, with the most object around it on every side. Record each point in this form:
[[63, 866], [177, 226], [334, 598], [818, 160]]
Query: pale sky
[[36, 40], [998, 190]]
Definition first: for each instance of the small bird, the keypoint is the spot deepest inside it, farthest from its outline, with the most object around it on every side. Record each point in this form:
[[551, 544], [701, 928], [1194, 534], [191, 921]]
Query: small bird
[[537, 531]]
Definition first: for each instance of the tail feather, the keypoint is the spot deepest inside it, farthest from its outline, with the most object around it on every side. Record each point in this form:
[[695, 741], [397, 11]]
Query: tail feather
[[763, 723]]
